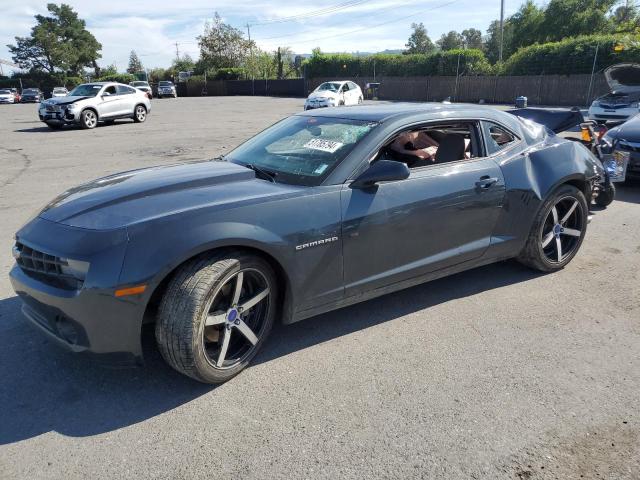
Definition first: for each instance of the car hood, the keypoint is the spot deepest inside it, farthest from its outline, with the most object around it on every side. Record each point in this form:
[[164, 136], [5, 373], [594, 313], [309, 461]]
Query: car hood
[[136, 196], [623, 77], [6, 95], [66, 100], [323, 94], [629, 130]]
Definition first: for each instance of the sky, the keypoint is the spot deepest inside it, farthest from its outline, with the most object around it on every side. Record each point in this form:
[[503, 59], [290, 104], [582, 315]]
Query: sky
[[152, 28]]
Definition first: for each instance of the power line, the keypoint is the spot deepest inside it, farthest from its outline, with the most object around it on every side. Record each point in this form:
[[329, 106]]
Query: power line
[[349, 20], [380, 24], [315, 13]]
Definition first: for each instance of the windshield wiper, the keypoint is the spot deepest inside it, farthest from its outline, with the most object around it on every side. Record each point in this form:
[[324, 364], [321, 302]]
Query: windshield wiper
[[266, 174]]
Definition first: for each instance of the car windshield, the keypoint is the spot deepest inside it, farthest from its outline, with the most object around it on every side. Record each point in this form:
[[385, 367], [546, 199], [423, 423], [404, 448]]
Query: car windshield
[[165, 84], [59, 90], [140, 84], [302, 150], [331, 86], [5, 91], [86, 90], [30, 90]]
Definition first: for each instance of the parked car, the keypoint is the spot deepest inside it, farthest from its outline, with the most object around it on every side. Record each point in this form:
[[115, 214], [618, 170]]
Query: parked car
[[314, 213], [623, 100], [31, 95], [143, 86], [166, 89], [625, 138], [16, 94], [334, 94], [59, 92], [90, 103], [6, 96]]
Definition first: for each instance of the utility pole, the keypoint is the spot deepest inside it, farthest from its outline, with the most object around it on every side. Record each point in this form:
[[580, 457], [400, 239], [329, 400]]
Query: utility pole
[[501, 30], [253, 87], [177, 52]]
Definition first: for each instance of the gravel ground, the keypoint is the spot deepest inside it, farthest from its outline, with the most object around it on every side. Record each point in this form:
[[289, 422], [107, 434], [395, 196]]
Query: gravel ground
[[496, 373]]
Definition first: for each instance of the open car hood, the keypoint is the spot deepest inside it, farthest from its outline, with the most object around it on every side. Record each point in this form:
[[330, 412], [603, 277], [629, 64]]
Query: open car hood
[[555, 120], [623, 77]]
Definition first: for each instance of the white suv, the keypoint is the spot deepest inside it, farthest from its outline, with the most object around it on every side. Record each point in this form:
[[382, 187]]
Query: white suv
[[90, 103]]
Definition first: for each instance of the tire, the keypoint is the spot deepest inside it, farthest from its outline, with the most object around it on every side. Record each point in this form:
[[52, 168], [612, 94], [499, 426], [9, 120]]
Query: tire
[[565, 229], [54, 126], [205, 290], [139, 113], [88, 119], [606, 196]]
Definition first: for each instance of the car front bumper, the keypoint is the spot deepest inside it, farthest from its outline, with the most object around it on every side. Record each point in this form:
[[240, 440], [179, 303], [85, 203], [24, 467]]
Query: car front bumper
[[61, 117], [616, 114], [89, 319], [7, 100]]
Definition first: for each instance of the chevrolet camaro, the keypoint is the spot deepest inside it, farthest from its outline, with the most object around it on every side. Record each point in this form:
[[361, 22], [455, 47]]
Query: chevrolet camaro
[[324, 209]]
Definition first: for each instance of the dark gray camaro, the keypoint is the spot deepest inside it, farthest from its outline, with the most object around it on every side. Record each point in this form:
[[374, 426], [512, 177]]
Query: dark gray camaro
[[315, 213]]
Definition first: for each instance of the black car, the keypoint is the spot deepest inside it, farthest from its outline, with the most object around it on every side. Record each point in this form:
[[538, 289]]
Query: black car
[[626, 138], [317, 212], [31, 95]]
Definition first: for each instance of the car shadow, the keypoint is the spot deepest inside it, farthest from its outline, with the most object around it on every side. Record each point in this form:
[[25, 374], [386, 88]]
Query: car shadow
[[628, 192], [38, 130], [46, 389]]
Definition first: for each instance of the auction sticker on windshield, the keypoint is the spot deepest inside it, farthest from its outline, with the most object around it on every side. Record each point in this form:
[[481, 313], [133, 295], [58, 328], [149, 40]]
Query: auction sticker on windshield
[[323, 145]]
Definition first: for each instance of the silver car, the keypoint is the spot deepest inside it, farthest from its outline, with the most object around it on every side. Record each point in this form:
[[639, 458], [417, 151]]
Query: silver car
[[166, 88], [90, 103]]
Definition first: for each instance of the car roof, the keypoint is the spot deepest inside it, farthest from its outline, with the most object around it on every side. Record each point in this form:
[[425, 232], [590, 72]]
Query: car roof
[[397, 111]]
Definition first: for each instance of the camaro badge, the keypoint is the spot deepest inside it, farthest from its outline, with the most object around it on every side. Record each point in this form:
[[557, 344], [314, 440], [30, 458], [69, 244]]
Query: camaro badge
[[316, 243]]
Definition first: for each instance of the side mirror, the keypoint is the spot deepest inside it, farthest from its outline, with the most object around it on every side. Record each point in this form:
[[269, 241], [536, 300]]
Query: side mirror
[[381, 171], [106, 94]]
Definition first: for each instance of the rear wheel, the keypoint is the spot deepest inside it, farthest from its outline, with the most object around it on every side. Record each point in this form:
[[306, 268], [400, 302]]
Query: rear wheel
[[88, 119], [216, 314], [140, 114], [557, 231]]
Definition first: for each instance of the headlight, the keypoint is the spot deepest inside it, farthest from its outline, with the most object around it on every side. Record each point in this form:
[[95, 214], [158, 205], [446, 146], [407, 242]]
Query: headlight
[[75, 268]]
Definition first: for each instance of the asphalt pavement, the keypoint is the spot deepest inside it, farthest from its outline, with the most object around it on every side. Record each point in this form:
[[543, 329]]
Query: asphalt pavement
[[495, 373]]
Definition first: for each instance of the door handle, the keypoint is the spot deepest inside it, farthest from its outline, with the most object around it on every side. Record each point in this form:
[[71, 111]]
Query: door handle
[[486, 181]]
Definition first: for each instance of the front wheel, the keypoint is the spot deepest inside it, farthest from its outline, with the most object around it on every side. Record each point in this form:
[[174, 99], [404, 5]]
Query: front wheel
[[88, 119], [557, 231], [216, 314], [606, 196], [140, 114]]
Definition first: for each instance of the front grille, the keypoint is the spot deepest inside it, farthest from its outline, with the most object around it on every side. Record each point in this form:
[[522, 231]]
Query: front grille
[[53, 108], [44, 267]]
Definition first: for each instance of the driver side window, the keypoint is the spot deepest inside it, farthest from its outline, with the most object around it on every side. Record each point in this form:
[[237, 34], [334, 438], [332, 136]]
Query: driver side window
[[111, 90], [426, 145]]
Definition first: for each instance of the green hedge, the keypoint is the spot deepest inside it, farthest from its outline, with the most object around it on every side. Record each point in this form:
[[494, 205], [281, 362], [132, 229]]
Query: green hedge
[[118, 77], [472, 62], [573, 55], [44, 82]]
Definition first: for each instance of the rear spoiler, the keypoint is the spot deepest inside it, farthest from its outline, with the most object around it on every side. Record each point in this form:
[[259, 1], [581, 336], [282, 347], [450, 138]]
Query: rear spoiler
[[554, 119]]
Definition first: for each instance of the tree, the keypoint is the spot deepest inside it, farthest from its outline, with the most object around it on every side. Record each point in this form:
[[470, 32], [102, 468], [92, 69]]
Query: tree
[[419, 41], [626, 18], [59, 42], [492, 41], [109, 71], [135, 65], [223, 46], [285, 65], [527, 25], [472, 38], [183, 64], [450, 41], [571, 18]]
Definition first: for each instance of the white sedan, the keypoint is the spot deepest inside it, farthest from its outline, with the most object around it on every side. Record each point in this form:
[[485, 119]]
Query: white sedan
[[6, 96], [623, 101], [333, 94]]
